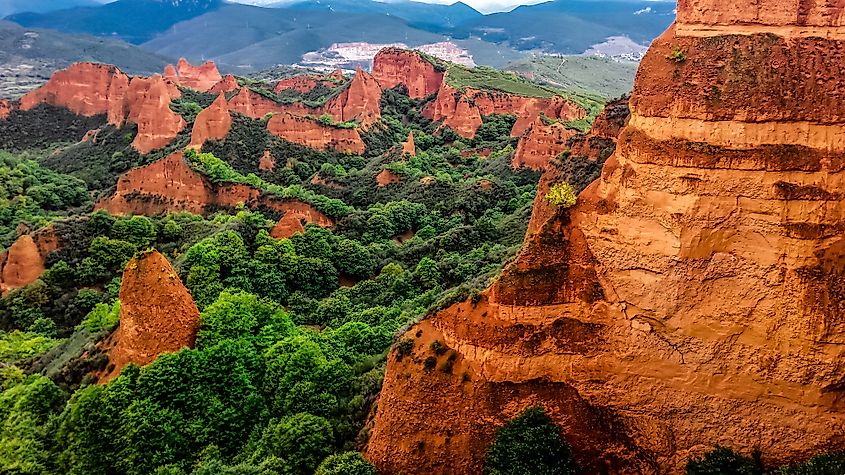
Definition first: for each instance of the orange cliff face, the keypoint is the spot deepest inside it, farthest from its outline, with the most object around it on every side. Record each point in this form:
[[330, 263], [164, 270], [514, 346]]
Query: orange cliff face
[[409, 147], [296, 215], [89, 89], [309, 132], [213, 122], [540, 144], [83, 88], [463, 110], [157, 315], [393, 66], [228, 84], [360, 101], [5, 108], [23, 262], [202, 78], [692, 297]]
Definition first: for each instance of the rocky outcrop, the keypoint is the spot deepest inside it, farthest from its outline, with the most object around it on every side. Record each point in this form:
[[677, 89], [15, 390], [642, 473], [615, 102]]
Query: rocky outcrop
[[296, 215], [157, 315], [202, 78], [394, 66], [147, 103], [304, 83], [23, 262], [694, 294], [228, 84], [540, 144], [252, 104], [213, 122], [83, 88], [311, 133], [166, 185], [5, 108], [463, 110], [360, 101], [408, 146], [267, 163], [386, 177]]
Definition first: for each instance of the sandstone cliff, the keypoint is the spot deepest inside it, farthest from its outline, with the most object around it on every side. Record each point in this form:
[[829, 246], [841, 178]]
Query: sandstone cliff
[[540, 144], [311, 133], [157, 314], [228, 84], [694, 295], [408, 146], [213, 122], [83, 88], [360, 101], [296, 215], [394, 66], [5, 108], [202, 78], [23, 262]]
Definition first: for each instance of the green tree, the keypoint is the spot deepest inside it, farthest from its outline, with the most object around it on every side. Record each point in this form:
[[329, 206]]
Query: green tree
[[347, 463], [302, 440], [561, 195], [530, 443], [723, 460], [427, 273], [138, 230]]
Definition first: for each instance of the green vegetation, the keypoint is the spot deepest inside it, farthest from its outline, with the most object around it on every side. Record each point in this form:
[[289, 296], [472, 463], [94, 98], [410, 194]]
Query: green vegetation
[[481, 77], [530, 443], [561, 195], [723, 460], [592, 76], [677, 55]]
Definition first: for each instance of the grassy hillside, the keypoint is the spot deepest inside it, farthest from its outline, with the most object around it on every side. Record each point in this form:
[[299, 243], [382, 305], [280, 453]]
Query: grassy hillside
[[587, 74]]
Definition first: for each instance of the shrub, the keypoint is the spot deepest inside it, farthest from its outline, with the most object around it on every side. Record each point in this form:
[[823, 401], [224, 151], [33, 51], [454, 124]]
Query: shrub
[[404, 348], [723, 460], [530, 443], [561, 195], [678, 55], [430, 363], [348, 463]]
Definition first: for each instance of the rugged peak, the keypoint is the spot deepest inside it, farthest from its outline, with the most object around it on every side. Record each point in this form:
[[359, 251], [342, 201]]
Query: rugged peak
[[82, 88], [147, 103], [23, 262], [229, 83], [157, 314], [311, 133], [540, 144], [393, 66], [409, 147], [748, 16], [5, 108], [213, 122], [360, 101], [202, 78]]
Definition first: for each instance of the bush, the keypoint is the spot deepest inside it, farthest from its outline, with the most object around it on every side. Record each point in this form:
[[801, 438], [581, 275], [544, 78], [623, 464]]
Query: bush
[[348, 463], [723, 460], [561, 195], [530, 443]]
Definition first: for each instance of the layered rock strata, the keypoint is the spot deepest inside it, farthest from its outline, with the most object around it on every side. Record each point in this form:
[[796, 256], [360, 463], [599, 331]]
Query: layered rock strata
[[202, 78], [212, 123], [540, 144], [360, 101], [394, 66], [157, 315], [311, 133], [695, 294]]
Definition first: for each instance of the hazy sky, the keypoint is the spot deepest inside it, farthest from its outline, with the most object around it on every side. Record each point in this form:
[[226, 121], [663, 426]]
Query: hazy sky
[[484, 6]]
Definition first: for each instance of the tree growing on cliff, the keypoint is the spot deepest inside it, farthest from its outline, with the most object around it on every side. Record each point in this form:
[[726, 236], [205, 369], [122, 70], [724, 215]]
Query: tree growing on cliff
[[562, 195], [530, 443]]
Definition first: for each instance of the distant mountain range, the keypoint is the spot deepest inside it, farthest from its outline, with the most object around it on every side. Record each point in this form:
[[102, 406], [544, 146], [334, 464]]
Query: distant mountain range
[[29, 56], [243, 37]]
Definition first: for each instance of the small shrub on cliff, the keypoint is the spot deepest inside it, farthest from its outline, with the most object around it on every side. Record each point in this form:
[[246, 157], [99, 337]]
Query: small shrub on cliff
[[723, 460], [677, 55], [530, 443], [561, 195], [404, 348]]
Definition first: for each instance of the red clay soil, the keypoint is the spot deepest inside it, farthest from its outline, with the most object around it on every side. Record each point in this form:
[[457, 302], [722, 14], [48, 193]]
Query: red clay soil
[[296, 215], [409, 147], [157, 315], [692, 297], [311, 133], [540, 144], [226, 85], [5, 108], [360, 101], [267, 163], [23, 262]]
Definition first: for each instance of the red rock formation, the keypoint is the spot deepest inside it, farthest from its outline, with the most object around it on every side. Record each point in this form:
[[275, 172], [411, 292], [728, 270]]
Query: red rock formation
[[309, 132], [455, 110], [254, 105], [386, 177], [23, 262], [267, 163], [302, 83], [462, 110], [228, 84], [360, 101], [202, 78], [296, 215], [541, 144], [394, 66], [409, 147], [167, 185], [213, 122], [157, 314], [83, 88], [694, 294], [147, 103], [5, 108]]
